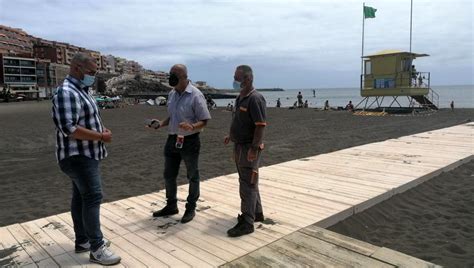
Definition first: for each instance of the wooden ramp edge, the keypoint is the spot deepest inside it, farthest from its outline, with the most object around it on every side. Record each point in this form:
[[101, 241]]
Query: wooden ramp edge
[[298, 194], [317, 247]]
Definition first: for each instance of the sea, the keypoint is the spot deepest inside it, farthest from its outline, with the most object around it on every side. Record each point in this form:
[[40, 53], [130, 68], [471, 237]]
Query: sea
[[462, 95]]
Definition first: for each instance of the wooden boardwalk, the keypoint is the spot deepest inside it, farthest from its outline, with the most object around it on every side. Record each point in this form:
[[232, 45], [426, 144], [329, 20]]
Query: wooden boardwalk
[[318, 191]]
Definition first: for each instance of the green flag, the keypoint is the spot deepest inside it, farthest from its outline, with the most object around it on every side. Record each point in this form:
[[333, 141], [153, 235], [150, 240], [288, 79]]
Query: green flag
[[369, 12]]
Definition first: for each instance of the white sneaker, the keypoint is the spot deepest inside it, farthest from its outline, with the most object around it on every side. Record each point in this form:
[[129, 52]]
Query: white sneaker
[[85, 247], [104, 256]]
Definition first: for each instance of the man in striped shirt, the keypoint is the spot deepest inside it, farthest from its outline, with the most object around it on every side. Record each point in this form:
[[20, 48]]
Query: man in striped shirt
[[80, 138]]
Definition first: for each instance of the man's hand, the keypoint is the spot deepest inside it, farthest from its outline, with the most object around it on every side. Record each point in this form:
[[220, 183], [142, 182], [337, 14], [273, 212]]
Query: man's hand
[[226, 139], [107, 136], [186, 126], [153, 123], [252, 154]]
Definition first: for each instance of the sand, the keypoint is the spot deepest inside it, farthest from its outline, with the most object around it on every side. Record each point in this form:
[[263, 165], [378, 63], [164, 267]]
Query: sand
[[32, 185], [433, 221]]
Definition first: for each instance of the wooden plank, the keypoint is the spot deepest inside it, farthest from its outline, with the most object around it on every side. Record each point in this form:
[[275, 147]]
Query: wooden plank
[[13, 254], [47, 263], [177, 251], [333, 251], [283, 214], [127, 259], [335, 179], [138, 253], [107, 232], [294, 207], [156, 251], [52, 229], [399, 259], [29, 244], [65, 260], [314, 184], [54, 242], [290, 199], [397, 157], [48, 244], [340, 240], [235, 246], [209, 243], [304, 256], [351, 172], [185, 252], [363, 167]]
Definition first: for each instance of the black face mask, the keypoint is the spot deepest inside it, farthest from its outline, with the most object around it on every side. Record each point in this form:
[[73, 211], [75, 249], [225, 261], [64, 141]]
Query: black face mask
[[173, 80]]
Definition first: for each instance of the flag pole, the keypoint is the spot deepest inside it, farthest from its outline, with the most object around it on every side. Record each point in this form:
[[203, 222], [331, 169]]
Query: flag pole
[[411, 55], [362, 53], [411, 21]]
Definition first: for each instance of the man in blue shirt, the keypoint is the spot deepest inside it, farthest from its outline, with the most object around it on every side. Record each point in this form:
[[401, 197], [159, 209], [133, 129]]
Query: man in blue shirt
[[188, 115], [80, 138]]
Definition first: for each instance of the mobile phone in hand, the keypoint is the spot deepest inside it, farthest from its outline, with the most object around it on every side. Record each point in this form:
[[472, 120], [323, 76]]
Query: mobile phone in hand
[[152, 123]]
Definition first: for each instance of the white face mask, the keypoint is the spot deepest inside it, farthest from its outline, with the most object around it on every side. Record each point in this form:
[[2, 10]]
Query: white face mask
[[237, 85]]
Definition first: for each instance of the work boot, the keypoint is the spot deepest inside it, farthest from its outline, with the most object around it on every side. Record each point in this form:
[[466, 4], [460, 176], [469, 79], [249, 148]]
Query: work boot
[[188, 215], [168, 210], [242, 228]]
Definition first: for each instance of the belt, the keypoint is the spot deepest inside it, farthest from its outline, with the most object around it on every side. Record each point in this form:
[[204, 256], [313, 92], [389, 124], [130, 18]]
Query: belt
[[195, 135]]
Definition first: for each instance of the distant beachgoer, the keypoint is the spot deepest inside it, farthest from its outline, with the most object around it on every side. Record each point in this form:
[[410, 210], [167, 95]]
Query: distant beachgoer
[[326, 105], [80, 138], [306, 105], [187, 116], [278, 103], [350, 107], [414, 74], [300, 99], [314, 93], [420, 80], [246, 132], [452, 105]]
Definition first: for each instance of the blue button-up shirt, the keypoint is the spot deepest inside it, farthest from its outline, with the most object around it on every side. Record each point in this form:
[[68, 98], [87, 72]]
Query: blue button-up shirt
[[189, 106]]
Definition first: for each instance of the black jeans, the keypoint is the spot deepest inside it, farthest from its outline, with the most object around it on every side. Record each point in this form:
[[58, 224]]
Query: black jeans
[[173, 156], [86, 198]]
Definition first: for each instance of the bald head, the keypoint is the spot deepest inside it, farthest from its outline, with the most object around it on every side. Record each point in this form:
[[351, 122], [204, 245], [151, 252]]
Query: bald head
[[82, 64], [179, 77], [180, 70]]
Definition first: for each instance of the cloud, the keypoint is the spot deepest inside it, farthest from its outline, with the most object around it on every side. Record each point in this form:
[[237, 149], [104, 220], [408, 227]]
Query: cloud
[[310, 38]]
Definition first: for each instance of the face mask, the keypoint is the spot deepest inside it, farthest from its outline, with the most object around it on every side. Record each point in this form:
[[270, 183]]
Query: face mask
[[88, 80], [173, 80], [236, 85]]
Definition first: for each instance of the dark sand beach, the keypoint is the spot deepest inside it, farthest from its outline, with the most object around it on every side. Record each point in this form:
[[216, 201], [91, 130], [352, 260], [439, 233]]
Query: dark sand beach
[[433, 221]]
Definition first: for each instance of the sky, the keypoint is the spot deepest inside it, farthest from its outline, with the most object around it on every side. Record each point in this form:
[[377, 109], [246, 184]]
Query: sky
[[288, 43]]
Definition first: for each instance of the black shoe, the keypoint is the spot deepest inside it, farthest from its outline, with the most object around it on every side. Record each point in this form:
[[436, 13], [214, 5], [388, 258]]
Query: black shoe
[[259, 217], [242, 228], [166, 211], [188, 216]]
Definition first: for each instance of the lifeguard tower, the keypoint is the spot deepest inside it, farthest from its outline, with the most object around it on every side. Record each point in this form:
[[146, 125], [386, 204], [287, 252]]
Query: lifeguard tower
[[391, 74]]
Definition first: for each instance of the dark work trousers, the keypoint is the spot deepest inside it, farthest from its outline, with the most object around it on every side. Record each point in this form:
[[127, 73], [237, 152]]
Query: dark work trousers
[[250, 202], [173, 156]]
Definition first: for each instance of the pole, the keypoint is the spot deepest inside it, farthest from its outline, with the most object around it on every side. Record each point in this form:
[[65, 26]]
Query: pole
[[411, 55], [411, 20], [362, 53]]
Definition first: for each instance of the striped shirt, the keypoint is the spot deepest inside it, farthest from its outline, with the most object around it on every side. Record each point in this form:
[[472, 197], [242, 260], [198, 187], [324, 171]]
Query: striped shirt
[[73, 107]]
